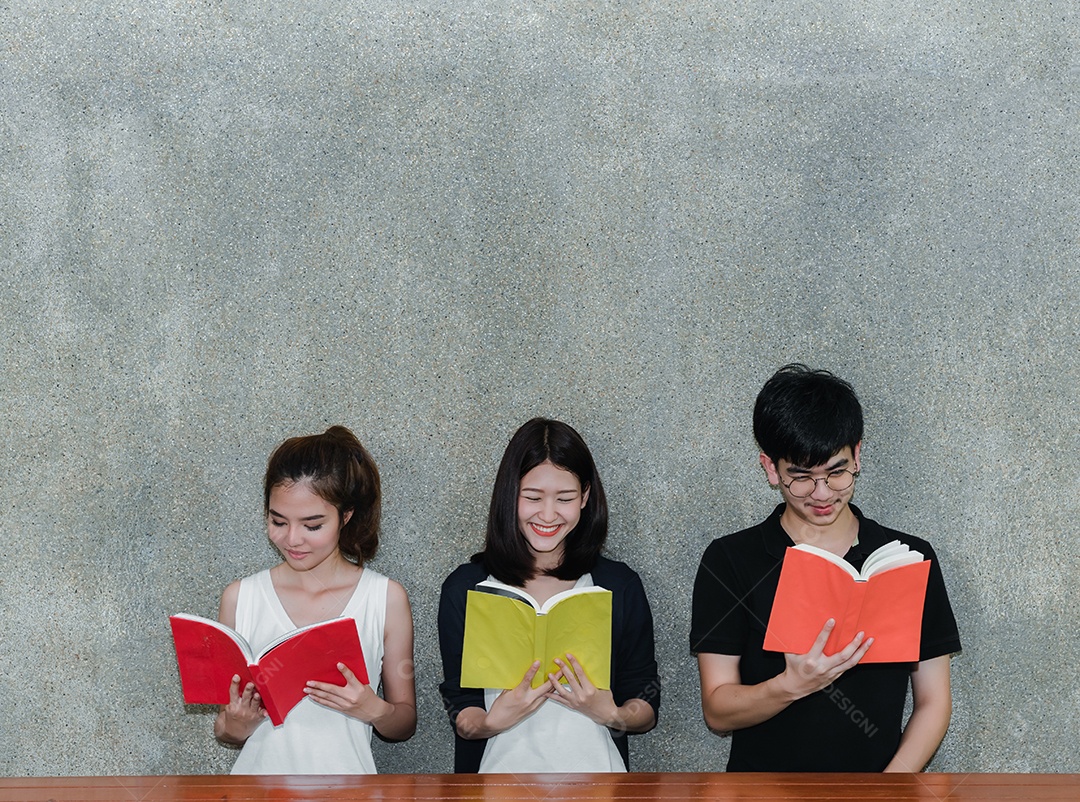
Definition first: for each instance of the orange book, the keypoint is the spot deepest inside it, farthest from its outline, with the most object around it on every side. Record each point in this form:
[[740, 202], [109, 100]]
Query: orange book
[[210, 654], [884, 600]]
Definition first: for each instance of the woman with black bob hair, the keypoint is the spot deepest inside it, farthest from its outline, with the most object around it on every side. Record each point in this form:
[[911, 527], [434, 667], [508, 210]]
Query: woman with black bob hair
[[546, 528], [506, 553]]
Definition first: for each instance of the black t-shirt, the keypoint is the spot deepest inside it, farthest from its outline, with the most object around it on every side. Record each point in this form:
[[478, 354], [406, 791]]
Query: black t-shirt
[[854, 724]]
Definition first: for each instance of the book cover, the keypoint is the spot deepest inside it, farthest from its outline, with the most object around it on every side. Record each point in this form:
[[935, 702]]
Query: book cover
[[506, 630], [209, 654], [885, 601]]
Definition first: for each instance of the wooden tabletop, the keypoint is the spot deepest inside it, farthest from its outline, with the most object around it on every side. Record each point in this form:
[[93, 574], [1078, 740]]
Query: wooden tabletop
[[550, 787]]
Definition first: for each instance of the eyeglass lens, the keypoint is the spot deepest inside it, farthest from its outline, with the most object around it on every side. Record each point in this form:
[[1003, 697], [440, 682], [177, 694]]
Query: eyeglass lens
[[805, 485]]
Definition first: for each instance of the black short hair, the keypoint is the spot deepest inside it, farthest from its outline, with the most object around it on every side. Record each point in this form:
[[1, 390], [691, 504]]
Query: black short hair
[[805, 416], [506, 554]]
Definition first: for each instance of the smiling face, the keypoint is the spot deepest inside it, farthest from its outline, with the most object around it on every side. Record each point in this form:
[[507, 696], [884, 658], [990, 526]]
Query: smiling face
[[304, 526], [550, 501], [825, 510]]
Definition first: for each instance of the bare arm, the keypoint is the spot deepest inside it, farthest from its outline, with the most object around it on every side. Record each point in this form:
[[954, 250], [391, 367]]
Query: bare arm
[[394, 713], [227, 605], [398, 673], [932, 708], [728, 704]]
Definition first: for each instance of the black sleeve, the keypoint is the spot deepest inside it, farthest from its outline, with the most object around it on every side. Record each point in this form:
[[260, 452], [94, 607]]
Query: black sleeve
[[939, 631], [718, 622], [451, 624], [634, 670], [634, 673]]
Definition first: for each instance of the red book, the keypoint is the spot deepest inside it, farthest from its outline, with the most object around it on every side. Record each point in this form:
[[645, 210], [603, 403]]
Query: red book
[[210, 654], [884, 600]]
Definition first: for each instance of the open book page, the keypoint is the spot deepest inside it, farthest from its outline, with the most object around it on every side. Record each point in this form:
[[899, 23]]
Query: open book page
[[891, 555], [502, 589], [828, 556]]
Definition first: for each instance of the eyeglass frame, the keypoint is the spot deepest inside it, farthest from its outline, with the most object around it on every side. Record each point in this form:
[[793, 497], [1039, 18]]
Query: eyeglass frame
[[825, 479]]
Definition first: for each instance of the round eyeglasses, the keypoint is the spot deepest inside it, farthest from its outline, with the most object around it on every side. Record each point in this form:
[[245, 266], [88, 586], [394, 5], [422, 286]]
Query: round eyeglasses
[[806, 485]]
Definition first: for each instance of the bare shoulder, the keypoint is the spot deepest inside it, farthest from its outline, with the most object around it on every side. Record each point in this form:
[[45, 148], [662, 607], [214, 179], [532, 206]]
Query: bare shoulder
[[396, 597], [227, 607], [399, 621]]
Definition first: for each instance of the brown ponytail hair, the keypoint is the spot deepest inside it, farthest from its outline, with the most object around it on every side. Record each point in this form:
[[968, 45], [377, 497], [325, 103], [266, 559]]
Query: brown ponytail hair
[[340, 471]]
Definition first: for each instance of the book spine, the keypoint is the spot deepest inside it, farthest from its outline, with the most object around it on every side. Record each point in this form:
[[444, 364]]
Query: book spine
[[540, 651], [847, 624], [272, 709]]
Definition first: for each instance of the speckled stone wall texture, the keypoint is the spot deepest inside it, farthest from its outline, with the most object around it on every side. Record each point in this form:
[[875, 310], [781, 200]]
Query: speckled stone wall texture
[[225, 223]]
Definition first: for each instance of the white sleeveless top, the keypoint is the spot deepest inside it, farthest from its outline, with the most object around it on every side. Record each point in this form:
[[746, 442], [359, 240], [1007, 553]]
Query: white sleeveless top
[[313, 739], [553, 739]]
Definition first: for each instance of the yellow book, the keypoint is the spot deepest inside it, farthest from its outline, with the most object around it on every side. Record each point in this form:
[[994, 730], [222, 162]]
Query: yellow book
[[506, 630]]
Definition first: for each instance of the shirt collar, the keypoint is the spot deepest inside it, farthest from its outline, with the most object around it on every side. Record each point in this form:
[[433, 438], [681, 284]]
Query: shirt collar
[[777, 541], [871, 537]]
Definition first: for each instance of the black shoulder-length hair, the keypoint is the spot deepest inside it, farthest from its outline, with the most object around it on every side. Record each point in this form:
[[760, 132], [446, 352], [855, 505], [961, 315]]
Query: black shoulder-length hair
[[506, 554]]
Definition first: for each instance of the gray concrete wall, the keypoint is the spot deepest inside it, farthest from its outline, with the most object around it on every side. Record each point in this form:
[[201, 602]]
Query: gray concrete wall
[[224, 223]]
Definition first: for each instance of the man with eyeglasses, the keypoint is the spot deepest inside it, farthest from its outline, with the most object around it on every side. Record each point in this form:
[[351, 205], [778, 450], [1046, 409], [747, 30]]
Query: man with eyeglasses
[[813, 712]]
